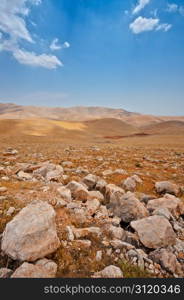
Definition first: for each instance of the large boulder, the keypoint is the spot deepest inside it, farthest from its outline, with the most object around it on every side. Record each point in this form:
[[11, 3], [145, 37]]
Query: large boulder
[[173, 204], [154, 232], [32, 233], [128, 208], [163, 187]]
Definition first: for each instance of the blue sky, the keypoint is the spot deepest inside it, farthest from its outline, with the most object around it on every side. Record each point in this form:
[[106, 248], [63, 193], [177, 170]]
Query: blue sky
[[116, 53]]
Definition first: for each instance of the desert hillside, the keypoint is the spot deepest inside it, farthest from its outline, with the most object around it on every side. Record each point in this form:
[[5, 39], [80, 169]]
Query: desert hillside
[[80, 114], [88, 131], [166, 128]]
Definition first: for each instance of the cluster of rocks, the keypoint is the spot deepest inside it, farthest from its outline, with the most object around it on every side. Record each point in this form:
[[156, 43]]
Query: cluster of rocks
[[145, 230]]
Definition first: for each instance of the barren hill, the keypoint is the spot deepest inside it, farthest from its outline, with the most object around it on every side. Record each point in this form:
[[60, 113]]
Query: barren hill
[[166, 128], [80, 131], [80, 114]]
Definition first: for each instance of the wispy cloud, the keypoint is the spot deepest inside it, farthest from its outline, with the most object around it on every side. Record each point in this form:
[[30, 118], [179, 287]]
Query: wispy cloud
[[13, 29], [172, 7], [175, 8], [142, 24], [56, 46], [164, 27], [140, 5], [32, 59]]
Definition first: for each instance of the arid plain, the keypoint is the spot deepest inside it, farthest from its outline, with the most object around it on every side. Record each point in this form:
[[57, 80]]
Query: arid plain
[[113, 186]]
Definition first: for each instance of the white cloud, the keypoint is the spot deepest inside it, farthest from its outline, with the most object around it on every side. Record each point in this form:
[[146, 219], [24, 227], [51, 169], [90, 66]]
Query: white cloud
[[140, 5], [32, 59], [12, 15], [55, 46], [148, 24], [143, 24], [13, 25], [165, 27], [66, 45]]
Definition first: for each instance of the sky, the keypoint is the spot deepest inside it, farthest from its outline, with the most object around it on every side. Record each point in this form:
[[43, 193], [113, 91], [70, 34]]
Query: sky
[[114, 53]]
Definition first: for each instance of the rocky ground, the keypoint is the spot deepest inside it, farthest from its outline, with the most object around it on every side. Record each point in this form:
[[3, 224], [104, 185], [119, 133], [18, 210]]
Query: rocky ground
[[91, 210]]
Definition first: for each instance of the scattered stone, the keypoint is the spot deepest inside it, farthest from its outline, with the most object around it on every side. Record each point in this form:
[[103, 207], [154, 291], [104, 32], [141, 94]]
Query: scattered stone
[[65, 193], [130, 183], [49, 265], [101, 186], [173, 204], [79, 214], [61, 203], [90, 180], [154, 232], [118, 244], [92, 206], [67, 164], [10, 211], [5, 272], [95, 195], [32, 233], [115, 232], [70, 235], [27, 270], [163, 187], [164, 212], [10, 151], [98, 256], [49, 172], [3, 189], [109, 272], [113, 193], [81, 193], [2, 198], [120, 172], [107, 173], [55, 174], [166, 259], [83, 243], [74, 185], [24, 176], [146, 198], [86, 232], [5, 178], [128, 208]]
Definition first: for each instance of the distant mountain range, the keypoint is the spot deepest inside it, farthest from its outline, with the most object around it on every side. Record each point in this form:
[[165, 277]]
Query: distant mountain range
[[81, 114]]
